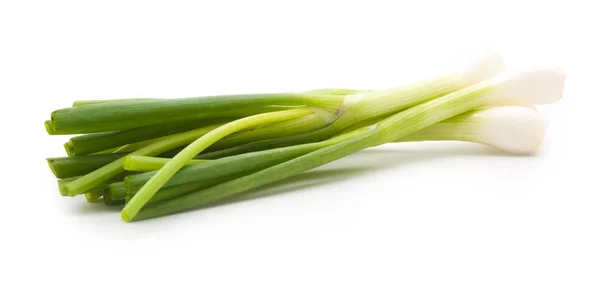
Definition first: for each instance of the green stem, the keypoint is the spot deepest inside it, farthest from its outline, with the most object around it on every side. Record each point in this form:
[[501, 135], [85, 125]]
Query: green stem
[[112, 202], [182, 189], [288, 128], [138, 145], [314, 136], [64, 167], [117, 190], [62, 184], [94, 195], [114, 116], [145, 163], [166, 172]]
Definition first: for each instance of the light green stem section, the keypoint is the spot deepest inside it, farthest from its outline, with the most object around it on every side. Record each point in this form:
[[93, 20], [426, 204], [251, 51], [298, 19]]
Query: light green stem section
[[145, 163], [426, 114], [138, 145], [93, 195], [104, 173], [167, 171], [288, 128]]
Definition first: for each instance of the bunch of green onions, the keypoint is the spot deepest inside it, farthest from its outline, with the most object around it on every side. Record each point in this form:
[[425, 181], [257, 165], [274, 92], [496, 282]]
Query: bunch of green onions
[[156, 157]]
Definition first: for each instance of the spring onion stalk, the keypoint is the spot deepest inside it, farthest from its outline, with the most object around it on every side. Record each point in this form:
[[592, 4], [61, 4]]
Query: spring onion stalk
[[513, 129], [112, 202], [318, 120], [106, 151], [62, 184], [94, 195], [138, 145], [64, 167], [110, 170], [500, 89], [166, 172], [145, 163], [114, 116], [90, 143], [237, 164], [51, 130], [374, 105], [171, 192], [117, 190]]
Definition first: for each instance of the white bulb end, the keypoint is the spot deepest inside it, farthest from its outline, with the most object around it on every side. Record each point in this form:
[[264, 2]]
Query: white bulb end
[[517, 130], [541, 86]]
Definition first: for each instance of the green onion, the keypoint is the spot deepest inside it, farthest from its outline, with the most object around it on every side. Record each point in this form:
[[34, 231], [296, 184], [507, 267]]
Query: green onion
[[163, 156], [494, 91]]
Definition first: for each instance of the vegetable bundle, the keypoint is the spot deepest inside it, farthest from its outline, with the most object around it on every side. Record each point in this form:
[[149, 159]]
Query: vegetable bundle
[[161, 156]]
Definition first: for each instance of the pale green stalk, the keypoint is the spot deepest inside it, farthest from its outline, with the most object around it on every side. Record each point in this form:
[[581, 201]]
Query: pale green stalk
[[167, 171], [116, 191], [138, 145], [93, 195], [287, 128], [145, 163]]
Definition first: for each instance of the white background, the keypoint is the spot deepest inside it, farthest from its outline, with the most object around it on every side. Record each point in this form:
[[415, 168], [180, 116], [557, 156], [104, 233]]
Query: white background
[[419, 216]]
